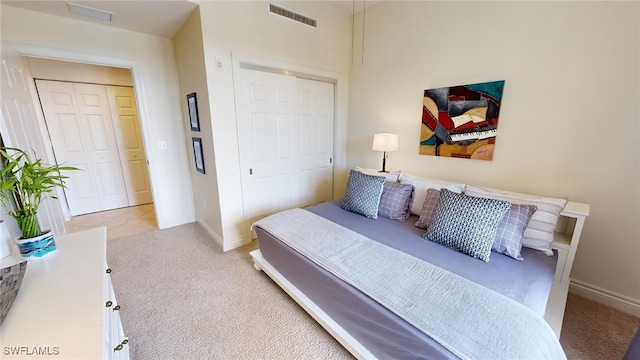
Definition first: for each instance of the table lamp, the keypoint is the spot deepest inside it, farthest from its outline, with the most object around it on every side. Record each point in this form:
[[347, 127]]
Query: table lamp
[[385, 142]]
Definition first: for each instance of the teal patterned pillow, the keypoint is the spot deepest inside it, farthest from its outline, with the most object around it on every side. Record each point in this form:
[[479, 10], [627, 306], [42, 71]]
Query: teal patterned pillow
[[467, 224], [363, 194]]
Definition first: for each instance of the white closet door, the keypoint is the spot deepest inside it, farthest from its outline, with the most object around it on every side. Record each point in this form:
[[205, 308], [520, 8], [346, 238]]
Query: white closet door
[[126, 124], [286, 142], [81, 130], [315, 113]]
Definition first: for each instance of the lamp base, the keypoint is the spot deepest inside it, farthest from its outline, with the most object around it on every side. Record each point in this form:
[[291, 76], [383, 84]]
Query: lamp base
[[384, 162]]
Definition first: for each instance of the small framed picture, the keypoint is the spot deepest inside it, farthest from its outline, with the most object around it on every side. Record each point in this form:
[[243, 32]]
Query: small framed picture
[[197, 154], [192, 102]]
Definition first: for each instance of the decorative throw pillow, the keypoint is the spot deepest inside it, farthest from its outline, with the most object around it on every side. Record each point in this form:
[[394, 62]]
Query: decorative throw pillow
[[467, 224], [510, 232], [389, 176], [395, 201], [428, 208], [363, 194], [421, 185], [539, 231]]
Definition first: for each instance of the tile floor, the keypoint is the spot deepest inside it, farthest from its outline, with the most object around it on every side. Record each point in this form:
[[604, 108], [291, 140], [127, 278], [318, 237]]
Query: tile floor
[[119, 222]]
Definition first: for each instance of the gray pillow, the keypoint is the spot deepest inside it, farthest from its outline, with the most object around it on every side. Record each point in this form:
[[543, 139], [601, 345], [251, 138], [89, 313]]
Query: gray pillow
[[395, 201], [363, 194], [467, 224], [428, 208], [510, 232]]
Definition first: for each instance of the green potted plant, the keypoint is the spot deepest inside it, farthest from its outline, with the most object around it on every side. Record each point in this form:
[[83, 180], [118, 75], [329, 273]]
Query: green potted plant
[[24, 183]]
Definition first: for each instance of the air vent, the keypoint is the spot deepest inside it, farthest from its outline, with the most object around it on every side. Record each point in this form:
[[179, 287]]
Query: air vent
[[291, 15], [90, 12]]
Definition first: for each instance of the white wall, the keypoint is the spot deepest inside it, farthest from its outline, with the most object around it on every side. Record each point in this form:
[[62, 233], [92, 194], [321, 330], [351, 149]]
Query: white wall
[[193, 78], [245, 30], [79, 72], [155, 79], [569, 119]]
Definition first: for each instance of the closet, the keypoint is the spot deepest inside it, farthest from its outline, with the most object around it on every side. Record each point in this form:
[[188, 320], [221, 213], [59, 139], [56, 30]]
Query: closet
[[286, 140], [95, 128]]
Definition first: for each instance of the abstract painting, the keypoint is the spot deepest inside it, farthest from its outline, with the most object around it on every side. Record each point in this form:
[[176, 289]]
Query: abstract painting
[[461, 121]]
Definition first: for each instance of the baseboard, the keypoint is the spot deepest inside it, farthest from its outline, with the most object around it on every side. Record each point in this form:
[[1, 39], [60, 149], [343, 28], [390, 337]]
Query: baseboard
[[236, 244], [606, 297], [225, 246], [211, 233]]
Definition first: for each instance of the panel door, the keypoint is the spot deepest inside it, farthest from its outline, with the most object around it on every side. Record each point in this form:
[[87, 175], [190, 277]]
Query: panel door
[[286, 142], [81, 130], [126, 124], [22, 128], [316, 116]]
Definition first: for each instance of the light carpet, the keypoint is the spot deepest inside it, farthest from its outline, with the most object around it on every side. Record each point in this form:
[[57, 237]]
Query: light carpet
[[183, 298]]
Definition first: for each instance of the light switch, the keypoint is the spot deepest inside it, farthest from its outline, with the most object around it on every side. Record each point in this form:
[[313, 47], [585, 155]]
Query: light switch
[[162, 145]]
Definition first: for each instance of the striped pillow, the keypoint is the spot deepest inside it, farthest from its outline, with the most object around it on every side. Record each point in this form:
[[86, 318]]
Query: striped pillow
[[421, 185], [539, 232]]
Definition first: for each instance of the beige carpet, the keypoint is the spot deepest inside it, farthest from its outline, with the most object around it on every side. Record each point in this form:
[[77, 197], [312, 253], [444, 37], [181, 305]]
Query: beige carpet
[[183, 298]]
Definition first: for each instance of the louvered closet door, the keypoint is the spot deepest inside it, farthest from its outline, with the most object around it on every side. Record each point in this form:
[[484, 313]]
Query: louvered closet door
[[81, 130], [286, 142]]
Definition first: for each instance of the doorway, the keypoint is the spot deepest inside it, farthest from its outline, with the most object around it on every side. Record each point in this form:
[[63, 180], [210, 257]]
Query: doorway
[[128, 138], [95, 128]]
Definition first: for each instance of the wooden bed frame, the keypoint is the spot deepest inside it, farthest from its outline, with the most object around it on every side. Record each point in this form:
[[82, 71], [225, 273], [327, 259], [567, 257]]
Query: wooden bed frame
[[567, 237], [339, 333]]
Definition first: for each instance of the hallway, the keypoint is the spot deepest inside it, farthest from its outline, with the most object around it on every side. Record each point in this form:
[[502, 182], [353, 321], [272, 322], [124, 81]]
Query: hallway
[[119, 222]]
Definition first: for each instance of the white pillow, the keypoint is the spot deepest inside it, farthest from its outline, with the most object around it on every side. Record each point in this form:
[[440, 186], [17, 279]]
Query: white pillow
[[393, 177], [538, 234], [421, 185]]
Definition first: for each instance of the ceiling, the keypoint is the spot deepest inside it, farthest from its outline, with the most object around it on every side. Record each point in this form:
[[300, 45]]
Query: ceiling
[[161, 18]]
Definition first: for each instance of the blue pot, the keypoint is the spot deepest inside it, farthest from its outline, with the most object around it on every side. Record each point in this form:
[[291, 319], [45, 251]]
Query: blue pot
[[37, 247]]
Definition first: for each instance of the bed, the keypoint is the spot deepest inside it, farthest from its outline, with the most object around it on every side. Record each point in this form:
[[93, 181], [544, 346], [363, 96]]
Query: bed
[[366, 326]]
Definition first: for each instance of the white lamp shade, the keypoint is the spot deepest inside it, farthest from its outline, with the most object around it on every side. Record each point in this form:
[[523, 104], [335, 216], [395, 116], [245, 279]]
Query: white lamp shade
[[385, 142]]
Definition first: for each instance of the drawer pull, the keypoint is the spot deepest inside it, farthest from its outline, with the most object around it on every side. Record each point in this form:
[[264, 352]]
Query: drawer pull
[[119, 347], [125, 341], [116, 308], [109, 303], [108, 271]]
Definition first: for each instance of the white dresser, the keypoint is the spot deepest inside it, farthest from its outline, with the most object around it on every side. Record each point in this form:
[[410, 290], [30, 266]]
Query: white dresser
[[66, 307]]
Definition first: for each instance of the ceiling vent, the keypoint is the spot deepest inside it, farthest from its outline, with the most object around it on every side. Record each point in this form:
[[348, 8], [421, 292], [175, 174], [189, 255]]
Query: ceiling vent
[[291, 15], [90, 12]]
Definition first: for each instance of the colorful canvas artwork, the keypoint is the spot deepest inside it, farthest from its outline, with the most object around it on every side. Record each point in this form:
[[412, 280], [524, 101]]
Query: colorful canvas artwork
[[461, 121]]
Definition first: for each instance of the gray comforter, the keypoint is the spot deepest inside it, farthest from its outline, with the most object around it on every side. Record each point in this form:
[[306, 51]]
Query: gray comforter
[[469, 320]]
